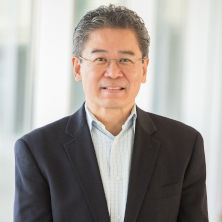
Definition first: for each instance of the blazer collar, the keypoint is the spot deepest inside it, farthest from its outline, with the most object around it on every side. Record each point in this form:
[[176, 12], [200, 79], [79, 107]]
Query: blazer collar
[[144, 158], [78, 120], [83, 160], [144, 120]]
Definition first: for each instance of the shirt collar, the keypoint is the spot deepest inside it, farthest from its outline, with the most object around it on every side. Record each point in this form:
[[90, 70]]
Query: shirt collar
[[131, 120]]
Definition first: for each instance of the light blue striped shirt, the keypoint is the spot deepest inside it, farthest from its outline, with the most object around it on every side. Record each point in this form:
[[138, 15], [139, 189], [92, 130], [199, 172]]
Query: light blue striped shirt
[[114, 159]]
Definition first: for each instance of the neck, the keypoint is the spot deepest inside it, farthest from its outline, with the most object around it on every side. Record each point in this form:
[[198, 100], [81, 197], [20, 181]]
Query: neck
[[112, 118]]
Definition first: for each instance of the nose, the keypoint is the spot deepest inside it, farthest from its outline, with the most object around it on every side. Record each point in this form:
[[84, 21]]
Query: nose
[[112, 70]]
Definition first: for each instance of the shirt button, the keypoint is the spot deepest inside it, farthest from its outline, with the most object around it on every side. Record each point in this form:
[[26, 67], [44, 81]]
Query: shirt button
[[118, 217], [118, 178]]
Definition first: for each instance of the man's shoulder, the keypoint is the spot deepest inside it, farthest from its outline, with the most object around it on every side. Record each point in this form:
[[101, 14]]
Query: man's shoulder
[[57, 129], [50, 130], [168, 126], [169, 122]]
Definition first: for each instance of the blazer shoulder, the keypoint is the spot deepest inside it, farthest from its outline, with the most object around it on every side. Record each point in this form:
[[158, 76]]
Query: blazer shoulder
[[56, 133], [171, 127], [50, 131], [170, 122]]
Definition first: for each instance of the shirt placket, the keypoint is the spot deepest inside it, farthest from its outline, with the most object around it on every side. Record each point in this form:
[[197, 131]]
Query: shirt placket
[[116, 181]]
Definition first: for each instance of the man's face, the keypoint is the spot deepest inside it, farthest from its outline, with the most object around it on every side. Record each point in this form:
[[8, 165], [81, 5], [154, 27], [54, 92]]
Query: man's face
[[111, 86]]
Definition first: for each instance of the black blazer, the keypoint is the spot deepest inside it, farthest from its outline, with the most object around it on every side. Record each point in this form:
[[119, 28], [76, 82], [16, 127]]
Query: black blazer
[[57, 176]]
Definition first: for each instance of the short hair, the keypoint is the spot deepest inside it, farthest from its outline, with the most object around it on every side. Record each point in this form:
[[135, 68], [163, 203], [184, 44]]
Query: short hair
[[110, 17]]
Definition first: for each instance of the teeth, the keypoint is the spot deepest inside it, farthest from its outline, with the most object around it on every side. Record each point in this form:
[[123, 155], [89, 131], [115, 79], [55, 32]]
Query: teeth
[[113, 88]]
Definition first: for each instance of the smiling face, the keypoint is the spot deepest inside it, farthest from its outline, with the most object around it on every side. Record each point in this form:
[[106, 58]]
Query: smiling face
[[114, 85]]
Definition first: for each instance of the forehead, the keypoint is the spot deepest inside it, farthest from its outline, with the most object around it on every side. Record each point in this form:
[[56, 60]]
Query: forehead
[[112, 40]]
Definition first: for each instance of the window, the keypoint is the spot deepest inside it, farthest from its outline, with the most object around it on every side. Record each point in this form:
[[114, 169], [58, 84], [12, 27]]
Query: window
[[15, 93]]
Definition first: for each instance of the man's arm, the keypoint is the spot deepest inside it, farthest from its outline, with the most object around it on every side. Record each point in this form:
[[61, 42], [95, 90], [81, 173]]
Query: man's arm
[[193, 207], [32, 197]]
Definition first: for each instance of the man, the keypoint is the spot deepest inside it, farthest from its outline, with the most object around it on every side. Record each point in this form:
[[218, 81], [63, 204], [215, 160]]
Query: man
[[111, 161]]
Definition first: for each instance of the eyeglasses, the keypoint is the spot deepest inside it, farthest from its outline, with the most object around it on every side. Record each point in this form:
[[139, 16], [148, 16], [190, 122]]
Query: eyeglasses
[[103, 62]]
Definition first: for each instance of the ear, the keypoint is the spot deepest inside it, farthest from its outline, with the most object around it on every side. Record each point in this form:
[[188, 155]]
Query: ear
[[76, 68], [145, 66]]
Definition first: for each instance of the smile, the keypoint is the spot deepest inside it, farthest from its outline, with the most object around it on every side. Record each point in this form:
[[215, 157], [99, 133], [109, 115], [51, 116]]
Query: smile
[[113, 88]]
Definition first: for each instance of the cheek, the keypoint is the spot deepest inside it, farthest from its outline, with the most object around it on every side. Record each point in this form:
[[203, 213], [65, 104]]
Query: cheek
[[136, 79], [135, 84], [90, 86]]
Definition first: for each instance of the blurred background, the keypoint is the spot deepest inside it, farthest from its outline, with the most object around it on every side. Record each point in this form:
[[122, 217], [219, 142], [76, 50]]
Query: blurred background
[[184, 77]]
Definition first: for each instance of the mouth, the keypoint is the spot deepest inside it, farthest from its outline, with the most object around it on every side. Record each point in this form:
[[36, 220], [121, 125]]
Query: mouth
[[113, 88]]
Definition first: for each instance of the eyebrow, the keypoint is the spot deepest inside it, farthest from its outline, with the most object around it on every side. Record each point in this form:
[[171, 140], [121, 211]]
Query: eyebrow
[[98, 50], [127, 52], [121, 52]]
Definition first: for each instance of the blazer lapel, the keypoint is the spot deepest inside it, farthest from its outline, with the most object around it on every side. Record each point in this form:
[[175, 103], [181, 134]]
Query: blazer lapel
[[83, 160], [145, 153]]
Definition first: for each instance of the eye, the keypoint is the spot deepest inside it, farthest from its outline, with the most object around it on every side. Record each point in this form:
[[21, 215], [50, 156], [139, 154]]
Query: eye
[[125, 61], [100, 60]]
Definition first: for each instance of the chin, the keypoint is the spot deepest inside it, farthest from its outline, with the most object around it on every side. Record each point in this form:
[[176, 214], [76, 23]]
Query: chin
[[114, 104]]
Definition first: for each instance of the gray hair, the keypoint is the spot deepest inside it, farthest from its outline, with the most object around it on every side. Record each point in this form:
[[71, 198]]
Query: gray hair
[[113, 17]]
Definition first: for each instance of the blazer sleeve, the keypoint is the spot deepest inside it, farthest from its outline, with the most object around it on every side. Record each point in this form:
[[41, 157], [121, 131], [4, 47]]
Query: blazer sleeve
[[193, 206], [32, 198]]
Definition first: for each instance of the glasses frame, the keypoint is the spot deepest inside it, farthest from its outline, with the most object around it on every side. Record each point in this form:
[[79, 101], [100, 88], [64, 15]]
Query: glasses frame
[[109, 61]]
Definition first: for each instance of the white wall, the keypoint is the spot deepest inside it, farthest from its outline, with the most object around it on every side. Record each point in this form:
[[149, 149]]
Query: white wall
[[202, 90], [147, 11], [52, 37]]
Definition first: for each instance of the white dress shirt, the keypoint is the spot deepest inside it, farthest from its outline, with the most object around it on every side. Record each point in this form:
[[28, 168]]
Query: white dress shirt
[[114, 157]]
